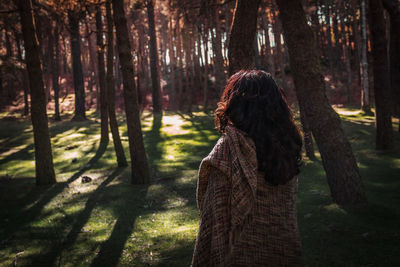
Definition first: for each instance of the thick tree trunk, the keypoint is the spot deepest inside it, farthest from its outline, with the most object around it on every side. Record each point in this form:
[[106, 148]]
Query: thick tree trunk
[[77, 67], [393, 7], [154, 64], [140, 170], [43, 155], [308, 142], [337, 157], [365, 105], [244, 26], [119, 150], [384, 131], [102, 80]]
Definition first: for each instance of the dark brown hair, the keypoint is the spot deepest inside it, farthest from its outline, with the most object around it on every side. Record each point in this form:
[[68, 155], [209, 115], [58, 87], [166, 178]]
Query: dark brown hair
[[253, 103]]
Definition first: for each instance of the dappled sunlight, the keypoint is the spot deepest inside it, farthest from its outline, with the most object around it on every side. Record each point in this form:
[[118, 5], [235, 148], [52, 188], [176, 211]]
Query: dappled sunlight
[[173, 125]]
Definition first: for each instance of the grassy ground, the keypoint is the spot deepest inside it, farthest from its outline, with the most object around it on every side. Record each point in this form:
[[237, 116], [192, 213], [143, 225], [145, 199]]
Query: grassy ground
[[109, 222]]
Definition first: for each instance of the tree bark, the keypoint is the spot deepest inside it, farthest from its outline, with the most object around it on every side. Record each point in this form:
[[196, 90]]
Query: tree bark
[[55, 65], [119, 150], [140, 170], [172, 100], [337, 157], [308, 142], [365, 105], [24, 74], [384, 131], [77, 67], [393, 7], [43, 155], [205, 85], [154, 62], [102, 80], [244, 26], [219, 59]]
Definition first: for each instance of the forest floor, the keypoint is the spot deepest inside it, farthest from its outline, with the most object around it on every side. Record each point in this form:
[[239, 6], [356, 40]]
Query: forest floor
[[109, 222]]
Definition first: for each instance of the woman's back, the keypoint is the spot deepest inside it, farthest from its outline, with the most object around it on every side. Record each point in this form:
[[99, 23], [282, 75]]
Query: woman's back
[[247, 185], [245, 221]]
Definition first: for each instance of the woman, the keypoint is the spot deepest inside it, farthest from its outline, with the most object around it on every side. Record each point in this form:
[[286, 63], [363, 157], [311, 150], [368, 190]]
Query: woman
[[247, 185]]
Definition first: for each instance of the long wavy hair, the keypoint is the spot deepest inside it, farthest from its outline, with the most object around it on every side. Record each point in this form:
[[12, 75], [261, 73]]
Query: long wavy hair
[[253, 103]]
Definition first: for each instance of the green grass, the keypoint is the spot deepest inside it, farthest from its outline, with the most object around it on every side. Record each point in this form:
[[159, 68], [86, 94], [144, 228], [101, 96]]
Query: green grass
[[110, 222]]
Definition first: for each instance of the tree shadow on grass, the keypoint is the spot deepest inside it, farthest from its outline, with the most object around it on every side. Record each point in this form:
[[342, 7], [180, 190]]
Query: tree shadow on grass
[[110, 251], [81, 219], [40, 196]]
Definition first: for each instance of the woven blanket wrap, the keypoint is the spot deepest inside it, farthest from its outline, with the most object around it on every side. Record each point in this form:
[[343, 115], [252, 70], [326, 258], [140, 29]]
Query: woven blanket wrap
[[244, 221]]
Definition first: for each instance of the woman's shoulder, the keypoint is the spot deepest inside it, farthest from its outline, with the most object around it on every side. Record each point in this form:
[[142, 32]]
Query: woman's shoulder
[[218, 157]]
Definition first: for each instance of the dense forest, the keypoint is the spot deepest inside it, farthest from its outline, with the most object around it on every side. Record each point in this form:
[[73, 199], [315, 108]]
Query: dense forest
[[114, 62]]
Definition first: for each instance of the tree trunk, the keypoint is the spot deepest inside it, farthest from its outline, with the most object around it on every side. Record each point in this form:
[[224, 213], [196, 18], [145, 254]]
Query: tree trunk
[[337, 157], [102, 80], [219, 59], [244, 26], [77, 67], [393, 7], [178, 41], [140, 170], [43, 155], [308, 142], [384, 131], [205, 85], [172, 100], [55, 65], [270, 66], [119, 150], [279, 64], [24, 74], [365, 105], [154, 64]]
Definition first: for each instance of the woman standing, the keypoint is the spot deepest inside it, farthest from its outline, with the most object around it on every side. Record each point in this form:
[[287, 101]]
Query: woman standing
[[247, 185]]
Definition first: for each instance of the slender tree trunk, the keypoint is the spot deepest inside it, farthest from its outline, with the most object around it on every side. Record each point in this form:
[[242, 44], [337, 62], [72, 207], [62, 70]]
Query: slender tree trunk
[[119, 150], [270, 60], [346, 49], [384, 131], [365, 105], [244, 26], [219, 59], [337, 157], [102, 80], [140, 170], [279, 65], [24, 74], [205, 86], [172, 100], [178, 40], [43, 155], [357, 39], [55, 65], [154, 64], [329, 39], [77, 67]]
